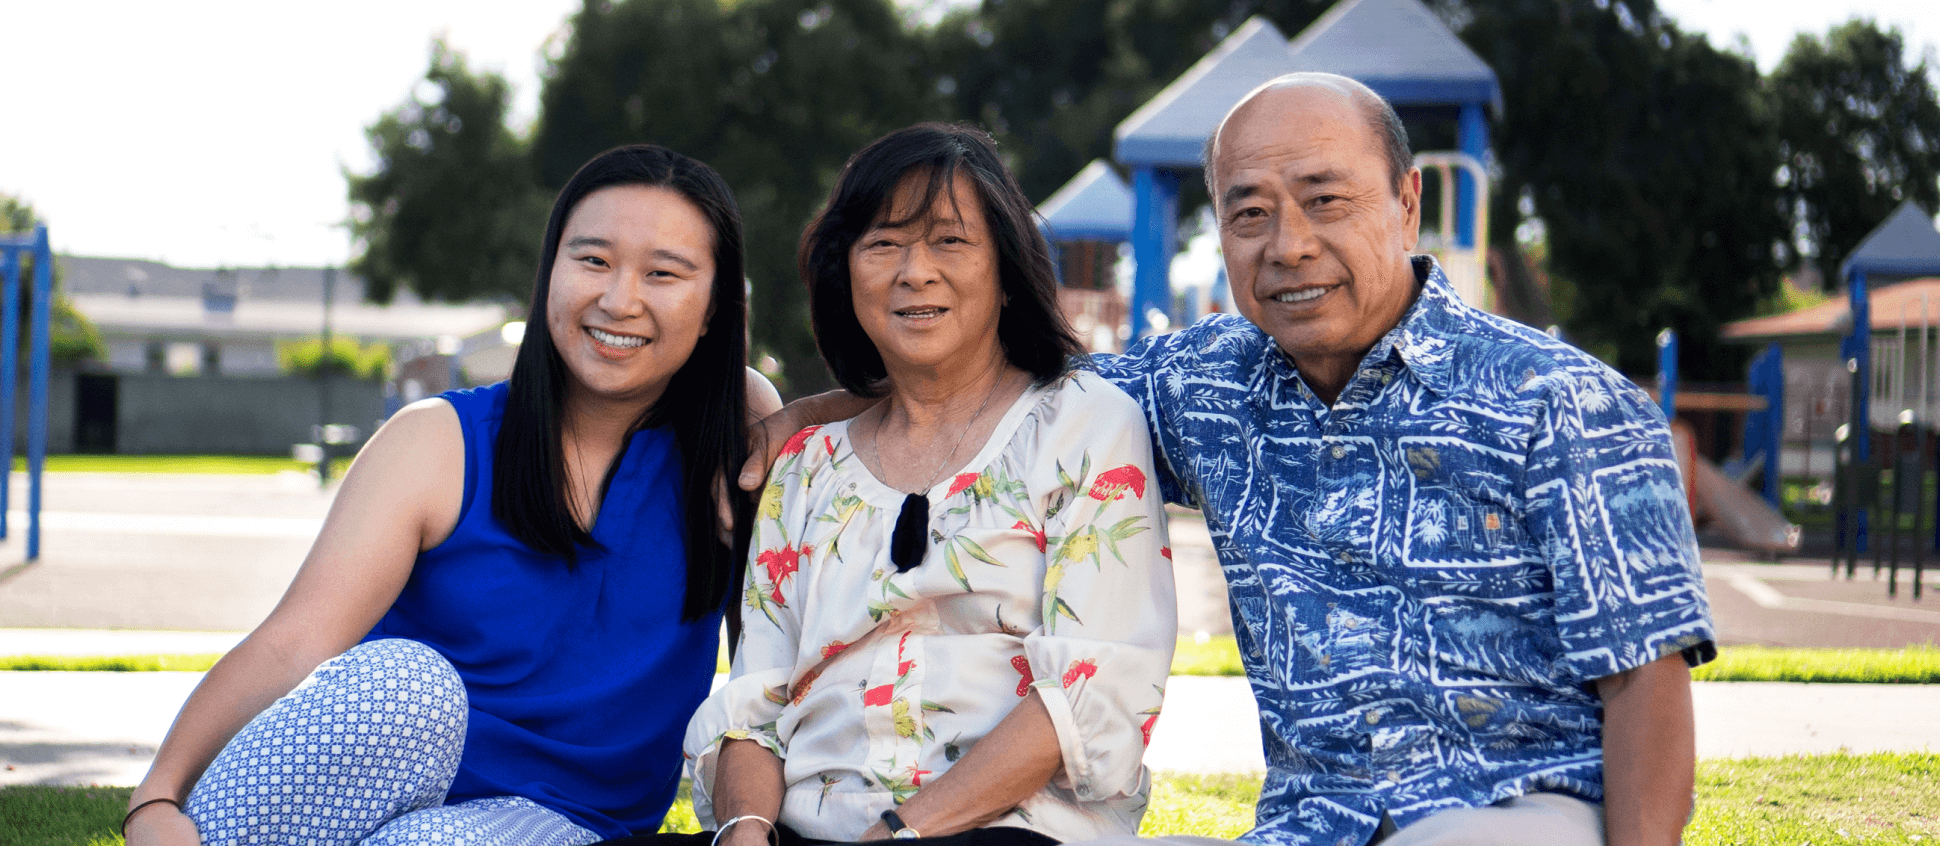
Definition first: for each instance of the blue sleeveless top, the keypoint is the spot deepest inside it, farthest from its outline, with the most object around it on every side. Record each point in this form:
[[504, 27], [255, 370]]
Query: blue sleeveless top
[[581, 680]]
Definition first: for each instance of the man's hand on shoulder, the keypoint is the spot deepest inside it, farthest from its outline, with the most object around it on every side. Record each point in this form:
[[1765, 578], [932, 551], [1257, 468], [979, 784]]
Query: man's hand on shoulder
[[765, 438]]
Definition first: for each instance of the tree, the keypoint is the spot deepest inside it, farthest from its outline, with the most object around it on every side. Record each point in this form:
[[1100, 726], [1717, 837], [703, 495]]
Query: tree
[[1859, 132], [71, 337], [1647, 156], [452, 211]]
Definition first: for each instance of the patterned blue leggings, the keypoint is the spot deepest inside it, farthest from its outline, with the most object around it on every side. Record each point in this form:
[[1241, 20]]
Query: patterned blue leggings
[[362, 752]]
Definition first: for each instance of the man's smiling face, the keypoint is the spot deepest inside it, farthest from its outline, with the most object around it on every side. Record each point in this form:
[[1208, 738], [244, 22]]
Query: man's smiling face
[[1315, 232]]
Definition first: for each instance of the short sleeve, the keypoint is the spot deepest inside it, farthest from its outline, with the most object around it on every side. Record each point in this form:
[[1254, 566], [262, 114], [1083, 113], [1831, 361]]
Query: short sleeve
[[1150, 371], [1606, 506], [1102, 653], [750, 704]]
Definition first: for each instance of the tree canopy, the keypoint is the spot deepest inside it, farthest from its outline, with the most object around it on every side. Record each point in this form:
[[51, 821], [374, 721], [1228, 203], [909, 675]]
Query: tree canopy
[[71, 336], [1671, 185], [1859, 133]]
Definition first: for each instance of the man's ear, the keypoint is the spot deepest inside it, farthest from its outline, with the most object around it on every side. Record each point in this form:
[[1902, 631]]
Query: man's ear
[[1410, 191]]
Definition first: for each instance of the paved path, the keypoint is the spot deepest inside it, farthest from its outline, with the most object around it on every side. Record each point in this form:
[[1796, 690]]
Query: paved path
[[172, 564]]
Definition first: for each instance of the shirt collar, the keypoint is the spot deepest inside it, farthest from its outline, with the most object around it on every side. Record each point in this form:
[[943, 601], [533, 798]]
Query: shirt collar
[[1422, 341]]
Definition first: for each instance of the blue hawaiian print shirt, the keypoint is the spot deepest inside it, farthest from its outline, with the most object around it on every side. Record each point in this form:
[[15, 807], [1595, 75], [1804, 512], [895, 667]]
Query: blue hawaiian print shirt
[[1427, 576]]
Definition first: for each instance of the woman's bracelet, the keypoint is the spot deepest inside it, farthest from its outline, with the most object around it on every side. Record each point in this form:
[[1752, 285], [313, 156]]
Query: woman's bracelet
[[774, 836], [137, 809]]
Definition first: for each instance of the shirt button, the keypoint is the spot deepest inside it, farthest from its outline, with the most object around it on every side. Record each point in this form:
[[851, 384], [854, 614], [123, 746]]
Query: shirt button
[[1344, 557], [1386, 378], [1340, 451], [1373, 717], [1394, 777]]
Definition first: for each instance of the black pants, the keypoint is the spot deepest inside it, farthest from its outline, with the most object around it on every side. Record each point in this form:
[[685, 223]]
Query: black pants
[[993, 836]]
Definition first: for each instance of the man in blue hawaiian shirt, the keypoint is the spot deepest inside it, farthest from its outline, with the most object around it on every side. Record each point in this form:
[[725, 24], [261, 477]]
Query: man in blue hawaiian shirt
[[1464, 583], [1463, 578]]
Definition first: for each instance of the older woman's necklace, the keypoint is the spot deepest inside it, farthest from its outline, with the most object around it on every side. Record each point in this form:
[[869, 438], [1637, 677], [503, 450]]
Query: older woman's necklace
[[907, 544]]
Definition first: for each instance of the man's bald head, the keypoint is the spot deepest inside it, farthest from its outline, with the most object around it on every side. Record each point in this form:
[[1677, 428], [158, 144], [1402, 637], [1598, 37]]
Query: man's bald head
[[1383, 125]]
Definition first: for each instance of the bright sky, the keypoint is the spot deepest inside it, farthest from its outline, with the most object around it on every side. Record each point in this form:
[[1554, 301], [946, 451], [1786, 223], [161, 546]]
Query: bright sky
[[209, 132]]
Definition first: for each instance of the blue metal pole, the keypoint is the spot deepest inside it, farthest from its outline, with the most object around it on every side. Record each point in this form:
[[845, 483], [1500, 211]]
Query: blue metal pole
[[1154, 225], [9, 372], [1667, 373], [37, 385], [1472, 136], [1858, 350], [1765, 430]]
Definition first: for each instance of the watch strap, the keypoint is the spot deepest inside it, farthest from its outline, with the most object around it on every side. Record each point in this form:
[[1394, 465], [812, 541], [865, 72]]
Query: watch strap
[[896, 826]]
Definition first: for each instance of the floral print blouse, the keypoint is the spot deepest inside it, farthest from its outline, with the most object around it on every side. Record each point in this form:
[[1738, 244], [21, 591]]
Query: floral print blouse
[[1047, 569]]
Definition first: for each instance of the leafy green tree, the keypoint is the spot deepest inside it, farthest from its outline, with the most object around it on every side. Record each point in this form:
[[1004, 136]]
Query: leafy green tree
[[452, 211], [1647, 156], [1859, 130], [72, 338]]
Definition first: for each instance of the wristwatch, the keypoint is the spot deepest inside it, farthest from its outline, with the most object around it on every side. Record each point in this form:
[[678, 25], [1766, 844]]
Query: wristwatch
[[897, 830]]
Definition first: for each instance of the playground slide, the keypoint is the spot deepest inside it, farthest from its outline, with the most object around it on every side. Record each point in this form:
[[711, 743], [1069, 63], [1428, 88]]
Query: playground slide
[[1736, 512]]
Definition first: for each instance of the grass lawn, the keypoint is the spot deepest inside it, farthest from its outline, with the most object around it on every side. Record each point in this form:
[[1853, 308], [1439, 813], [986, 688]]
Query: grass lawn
[[1220, 657], [1821, 799], [237, 464]]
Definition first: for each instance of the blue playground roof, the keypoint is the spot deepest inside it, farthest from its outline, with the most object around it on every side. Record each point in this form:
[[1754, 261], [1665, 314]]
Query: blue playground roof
[[1096, 205], [1171, 129], [1399, 49], [1905, 244], [1396, 47]]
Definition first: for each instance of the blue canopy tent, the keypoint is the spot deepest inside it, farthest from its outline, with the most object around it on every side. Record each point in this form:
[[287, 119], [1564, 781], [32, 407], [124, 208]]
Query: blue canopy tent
[[1906, 244], [1085, 222], [1096, 205], [1396, 47]]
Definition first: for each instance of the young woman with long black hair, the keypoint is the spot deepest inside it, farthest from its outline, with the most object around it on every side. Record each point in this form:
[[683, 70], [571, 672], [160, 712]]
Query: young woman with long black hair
[[513, 606]]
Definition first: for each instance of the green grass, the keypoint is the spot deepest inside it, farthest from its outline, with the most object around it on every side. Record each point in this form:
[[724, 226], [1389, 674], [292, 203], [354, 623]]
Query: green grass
[[1887, 798], [1911, 665], [190, 663], [1220, 657], [1217, 656], [1819, 799], [62, 816], [236, 464], [1202, 805]]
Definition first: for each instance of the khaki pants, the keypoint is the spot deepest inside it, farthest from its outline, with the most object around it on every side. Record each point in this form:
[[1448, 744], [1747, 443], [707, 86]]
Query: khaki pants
[[1539, 819]]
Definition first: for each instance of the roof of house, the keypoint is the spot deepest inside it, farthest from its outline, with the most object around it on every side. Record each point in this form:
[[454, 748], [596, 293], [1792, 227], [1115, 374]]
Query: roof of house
[[1095, 205], [140, 297], [1905, 243], [1833, 318]]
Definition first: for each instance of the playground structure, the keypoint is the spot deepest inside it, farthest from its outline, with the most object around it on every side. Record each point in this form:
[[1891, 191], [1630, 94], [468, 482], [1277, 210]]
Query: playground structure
[[12, 248], [1398, 48]]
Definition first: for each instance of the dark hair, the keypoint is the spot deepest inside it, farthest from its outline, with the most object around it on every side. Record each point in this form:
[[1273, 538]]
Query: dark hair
[[705, 400], [1383, 124], [1030, 328]]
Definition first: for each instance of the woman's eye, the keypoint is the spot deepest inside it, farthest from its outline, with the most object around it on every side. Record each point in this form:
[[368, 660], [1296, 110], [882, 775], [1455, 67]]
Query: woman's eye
[[595, 261]]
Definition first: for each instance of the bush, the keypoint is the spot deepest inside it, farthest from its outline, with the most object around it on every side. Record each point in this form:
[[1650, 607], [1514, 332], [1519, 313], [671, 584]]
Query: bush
[[345, 357]]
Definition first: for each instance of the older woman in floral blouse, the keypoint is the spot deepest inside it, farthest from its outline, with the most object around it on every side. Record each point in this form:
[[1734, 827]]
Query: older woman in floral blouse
[[960, 606]]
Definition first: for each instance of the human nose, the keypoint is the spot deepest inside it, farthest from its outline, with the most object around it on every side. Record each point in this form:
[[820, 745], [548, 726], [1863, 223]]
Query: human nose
[[625, 297], [1293, 240], [918, 267]]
